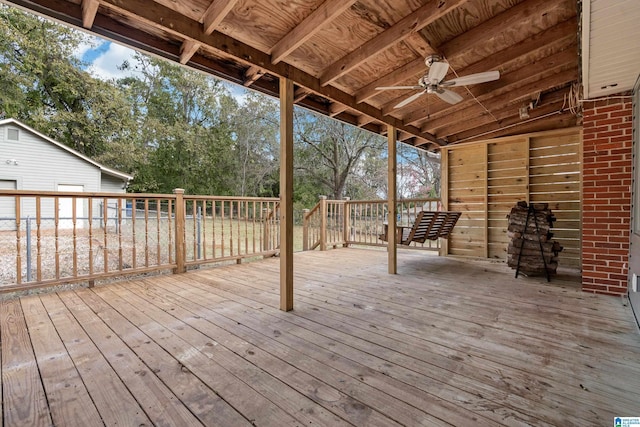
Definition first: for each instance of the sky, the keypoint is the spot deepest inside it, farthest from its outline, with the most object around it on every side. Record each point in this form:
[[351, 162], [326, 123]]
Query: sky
[[104, 57]]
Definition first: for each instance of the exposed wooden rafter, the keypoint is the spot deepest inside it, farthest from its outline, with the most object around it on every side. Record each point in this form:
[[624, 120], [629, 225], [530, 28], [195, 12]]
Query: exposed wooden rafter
[[364, 120], [187, 50], [417, 20], [336, 109], [300, 94], [215, 13], [313, 23], [164, 19], [558, 35], [396, 76], [507, 82], [336, 53], [554, 101], [520, 94], [252, 75], [89, 10], [494, 27]]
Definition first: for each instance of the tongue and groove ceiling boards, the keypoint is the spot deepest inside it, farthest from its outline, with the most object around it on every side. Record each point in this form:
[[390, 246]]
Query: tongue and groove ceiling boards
[[338, 52]]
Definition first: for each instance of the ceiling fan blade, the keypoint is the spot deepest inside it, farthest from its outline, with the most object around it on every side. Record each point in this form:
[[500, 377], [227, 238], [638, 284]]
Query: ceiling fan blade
[[398, 87], [410, 99], [473, 79], [437, 72], [448, 96]]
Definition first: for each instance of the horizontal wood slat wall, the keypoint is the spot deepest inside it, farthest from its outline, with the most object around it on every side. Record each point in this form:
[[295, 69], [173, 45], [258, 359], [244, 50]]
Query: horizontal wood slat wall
[[485, 179]]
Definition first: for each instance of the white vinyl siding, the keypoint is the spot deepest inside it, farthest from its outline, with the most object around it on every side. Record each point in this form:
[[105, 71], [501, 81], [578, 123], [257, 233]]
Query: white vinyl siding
[[35, 163]]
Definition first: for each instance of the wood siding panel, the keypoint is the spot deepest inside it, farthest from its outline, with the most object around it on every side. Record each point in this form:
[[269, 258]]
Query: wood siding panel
[[467, 193], [542, 167]]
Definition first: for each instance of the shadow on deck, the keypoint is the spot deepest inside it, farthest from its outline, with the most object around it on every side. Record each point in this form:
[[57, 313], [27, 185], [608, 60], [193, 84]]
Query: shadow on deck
[[446, 341]]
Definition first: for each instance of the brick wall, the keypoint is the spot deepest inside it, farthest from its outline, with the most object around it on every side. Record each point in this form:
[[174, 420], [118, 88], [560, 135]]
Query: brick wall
[[607, 172]]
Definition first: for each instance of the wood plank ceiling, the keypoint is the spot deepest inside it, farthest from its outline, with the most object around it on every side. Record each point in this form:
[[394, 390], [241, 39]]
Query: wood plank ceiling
[[338, 51]]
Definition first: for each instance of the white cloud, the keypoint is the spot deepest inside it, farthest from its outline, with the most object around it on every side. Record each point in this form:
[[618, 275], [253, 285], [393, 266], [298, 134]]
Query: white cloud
[[88, 43], [105, 65]]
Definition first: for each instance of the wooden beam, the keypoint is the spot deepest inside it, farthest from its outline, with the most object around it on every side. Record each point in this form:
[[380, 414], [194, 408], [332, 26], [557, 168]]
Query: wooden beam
[[252, 75], [558, 120], [300, 94], [508, 116], [521, 93], [179, 26], [286, 194], [392, 250], [215, 13], [187, 50], [568, 54], [420, 18], [364, 119], [493, 28], [336, 108], [396, 76], [89, 11], [521, 77], [553, 39], [313, 23]]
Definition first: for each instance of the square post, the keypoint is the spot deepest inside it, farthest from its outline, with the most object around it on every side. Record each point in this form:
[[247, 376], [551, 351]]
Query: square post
[[179, 230], [286, 194], [324, 212], [346, 225], [392, 200]]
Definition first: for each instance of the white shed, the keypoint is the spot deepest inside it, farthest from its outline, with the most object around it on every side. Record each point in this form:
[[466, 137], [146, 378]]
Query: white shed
[[30, 160]]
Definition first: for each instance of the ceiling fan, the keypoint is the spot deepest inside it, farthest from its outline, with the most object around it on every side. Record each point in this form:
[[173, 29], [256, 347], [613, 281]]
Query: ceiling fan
[[433, 82]]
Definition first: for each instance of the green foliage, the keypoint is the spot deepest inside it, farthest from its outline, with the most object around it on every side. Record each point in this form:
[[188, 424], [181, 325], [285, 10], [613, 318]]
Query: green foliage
[[177, 128], [47, 89], [329, 152]]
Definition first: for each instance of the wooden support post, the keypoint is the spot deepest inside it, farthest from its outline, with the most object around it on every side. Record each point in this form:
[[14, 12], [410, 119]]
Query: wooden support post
[[180, 220], [286, 194], [346, 212], [324, 212], [305, 230], [392, 200]]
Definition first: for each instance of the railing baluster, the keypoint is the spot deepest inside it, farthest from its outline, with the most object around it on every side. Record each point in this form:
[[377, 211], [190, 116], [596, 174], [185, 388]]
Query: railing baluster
[[170, 210], [39, 239], [146, 232], [56, 220], [18, 243], [105, 234], [90, 223], [158, 225], [134, 249]]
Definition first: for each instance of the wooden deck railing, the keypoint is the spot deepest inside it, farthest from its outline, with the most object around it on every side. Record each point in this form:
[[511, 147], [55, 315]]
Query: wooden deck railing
[[230, 228], [359, 222], [52, 238]]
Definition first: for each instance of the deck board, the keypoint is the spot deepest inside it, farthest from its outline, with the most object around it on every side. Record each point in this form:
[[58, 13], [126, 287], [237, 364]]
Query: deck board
[[446, 341], [68, 398], [24, 400], [112, 399]]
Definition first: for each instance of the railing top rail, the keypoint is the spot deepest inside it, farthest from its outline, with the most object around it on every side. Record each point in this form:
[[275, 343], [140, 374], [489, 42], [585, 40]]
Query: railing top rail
[[312, 210], [415, 200], [34, 193], [234, 198]]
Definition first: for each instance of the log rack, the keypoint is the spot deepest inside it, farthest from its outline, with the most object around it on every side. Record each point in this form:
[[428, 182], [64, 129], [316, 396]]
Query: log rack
[[531, 211]]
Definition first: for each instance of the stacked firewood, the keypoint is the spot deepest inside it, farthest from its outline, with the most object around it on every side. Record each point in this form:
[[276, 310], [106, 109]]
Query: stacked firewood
[[529, 240]]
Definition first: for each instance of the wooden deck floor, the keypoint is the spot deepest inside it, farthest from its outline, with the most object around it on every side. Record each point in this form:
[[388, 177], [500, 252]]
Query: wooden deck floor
[[444, 342]]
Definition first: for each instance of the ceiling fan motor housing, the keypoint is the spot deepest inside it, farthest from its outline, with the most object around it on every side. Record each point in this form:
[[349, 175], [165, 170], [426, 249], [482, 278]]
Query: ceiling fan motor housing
[[431, 59]]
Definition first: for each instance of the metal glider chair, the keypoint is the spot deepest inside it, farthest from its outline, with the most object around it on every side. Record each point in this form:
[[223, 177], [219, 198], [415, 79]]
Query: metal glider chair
[[427, 226]]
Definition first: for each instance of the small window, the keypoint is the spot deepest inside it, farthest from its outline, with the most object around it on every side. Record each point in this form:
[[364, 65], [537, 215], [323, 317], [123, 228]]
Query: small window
[[13, 134]]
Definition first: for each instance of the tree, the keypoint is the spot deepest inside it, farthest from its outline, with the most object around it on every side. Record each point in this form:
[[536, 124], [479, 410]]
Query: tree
[[47, 88], [256, 133], [420, 171], [185, 121], [329, 151]]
